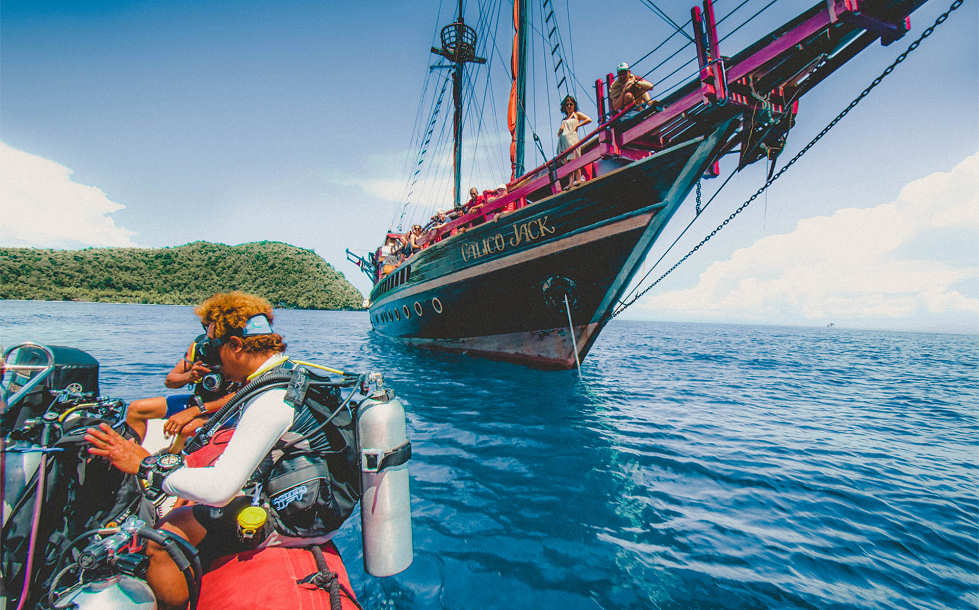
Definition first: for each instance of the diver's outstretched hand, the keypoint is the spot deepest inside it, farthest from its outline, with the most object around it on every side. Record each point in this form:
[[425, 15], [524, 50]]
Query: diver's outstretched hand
[[123, 453]]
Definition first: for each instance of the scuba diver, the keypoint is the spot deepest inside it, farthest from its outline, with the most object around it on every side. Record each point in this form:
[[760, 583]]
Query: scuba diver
[[185, 413], [239, 337]]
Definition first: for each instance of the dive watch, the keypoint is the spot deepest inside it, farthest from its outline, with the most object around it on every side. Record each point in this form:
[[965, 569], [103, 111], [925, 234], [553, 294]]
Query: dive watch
[[155, 468], [199, 403]]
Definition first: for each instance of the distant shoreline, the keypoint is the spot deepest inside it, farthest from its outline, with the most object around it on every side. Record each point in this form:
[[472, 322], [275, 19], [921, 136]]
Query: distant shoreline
[[83, 301], [288, 276]]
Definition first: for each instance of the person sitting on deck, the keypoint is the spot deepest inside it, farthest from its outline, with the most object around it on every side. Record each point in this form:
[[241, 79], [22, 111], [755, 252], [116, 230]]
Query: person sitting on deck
[[501, 191], [391, 246], [628, 88], [416, 240], [476, 200], [389, 254], [439, 219]]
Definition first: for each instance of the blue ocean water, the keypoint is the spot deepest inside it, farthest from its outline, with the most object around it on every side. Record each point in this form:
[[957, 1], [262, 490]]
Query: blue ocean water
[[691, 466]]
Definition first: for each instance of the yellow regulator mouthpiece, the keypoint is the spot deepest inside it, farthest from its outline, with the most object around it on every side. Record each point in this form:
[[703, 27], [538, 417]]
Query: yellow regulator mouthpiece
[[251, 519]]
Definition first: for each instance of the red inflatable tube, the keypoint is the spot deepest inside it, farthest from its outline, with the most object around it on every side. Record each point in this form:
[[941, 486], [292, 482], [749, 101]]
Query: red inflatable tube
[[266, 579]]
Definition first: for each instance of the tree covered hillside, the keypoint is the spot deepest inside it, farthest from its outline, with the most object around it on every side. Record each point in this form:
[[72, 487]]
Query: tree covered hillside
[[287, 276]]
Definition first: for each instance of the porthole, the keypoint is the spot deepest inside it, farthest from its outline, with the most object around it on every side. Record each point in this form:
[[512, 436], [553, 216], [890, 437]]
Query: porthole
[[418, 308], [397, 315], [407, 313], [437, 305]]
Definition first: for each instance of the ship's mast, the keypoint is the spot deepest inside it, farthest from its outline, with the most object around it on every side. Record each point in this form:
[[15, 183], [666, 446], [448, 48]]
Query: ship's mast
[[459, 47]]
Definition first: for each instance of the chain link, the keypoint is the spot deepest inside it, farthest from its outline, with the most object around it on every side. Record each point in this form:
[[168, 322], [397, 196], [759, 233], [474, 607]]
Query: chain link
[[900, 58], [698, 207]]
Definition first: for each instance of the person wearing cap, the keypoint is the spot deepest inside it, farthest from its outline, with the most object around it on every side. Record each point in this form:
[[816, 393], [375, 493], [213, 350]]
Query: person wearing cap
[[628, 88], [240, 336]]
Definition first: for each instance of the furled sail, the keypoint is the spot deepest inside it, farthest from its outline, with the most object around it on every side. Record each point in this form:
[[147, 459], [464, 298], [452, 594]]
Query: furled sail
[[515, 69]]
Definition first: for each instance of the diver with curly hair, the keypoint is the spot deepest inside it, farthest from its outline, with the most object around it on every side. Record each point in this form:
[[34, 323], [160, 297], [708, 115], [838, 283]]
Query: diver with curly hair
[[239, 329]]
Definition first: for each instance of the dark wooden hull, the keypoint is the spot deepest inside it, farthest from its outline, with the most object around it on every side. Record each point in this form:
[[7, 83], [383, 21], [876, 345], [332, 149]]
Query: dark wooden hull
[[499, 289]]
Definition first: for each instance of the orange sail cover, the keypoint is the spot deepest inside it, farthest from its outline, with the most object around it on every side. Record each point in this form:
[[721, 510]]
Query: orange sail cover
[[512, 107]]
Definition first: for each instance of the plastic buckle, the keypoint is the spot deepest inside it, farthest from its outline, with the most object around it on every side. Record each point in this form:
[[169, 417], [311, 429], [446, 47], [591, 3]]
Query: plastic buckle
[[370, 460]]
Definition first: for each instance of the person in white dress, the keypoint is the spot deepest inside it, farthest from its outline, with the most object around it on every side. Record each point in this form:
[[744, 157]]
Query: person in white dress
[[567, 133]]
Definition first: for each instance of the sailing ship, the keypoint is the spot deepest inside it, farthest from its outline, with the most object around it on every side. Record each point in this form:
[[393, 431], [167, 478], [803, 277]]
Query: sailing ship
[[534, 275]]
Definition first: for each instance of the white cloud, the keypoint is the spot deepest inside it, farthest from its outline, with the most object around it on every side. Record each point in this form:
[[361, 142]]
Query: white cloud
[[895, 265], [43, 207]]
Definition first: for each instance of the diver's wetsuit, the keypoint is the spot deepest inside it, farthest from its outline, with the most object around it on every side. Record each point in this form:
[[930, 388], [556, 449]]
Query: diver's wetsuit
[[263, 422]]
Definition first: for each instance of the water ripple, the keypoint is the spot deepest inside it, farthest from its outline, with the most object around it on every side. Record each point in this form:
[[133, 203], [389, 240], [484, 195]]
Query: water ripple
[[693, 466]]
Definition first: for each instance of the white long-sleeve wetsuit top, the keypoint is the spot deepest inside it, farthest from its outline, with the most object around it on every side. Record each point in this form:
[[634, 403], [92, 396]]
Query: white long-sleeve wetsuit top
[[263, 422]]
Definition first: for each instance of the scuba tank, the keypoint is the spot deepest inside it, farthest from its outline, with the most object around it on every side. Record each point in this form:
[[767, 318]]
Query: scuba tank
[[21, 459], [385, 509], [116, 591]]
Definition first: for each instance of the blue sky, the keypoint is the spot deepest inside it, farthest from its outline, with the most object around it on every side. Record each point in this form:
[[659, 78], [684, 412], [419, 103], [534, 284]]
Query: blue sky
[[161, 123]]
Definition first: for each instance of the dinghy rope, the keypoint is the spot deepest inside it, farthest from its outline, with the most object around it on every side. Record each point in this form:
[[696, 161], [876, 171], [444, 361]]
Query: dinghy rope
[[887, 71]]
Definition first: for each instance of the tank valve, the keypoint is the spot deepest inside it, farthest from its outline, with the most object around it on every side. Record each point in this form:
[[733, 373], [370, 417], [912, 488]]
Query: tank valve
[[251, 524]]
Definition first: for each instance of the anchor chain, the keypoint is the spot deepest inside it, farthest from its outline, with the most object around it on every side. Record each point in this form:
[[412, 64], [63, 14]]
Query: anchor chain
[[698, 207], [887, 71]]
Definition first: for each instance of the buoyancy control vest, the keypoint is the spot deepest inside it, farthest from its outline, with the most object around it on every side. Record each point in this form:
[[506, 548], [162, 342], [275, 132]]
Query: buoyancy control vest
[[311, 477]]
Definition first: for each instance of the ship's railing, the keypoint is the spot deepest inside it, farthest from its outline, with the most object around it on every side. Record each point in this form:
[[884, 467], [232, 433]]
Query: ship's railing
[[817, 42], [548, 176]]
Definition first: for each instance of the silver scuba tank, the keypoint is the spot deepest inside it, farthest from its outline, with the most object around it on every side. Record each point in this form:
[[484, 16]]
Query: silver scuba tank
[[21, 459], [118, 592], [385, 507]]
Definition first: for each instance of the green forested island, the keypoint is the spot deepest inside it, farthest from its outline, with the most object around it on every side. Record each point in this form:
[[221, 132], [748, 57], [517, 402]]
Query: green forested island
[[286, 275]]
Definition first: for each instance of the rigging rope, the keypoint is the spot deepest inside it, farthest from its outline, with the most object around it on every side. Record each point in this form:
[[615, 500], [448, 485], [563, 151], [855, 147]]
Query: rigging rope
[[684, 80], [423, 149], [887, 71], [416, 130], [748, 20], [678, 238], [486, 91], [659, 13]]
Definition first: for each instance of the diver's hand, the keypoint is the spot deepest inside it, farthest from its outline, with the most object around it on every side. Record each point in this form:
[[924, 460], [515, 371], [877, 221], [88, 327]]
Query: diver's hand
[[197, 371], [176, 422], [123, 453]]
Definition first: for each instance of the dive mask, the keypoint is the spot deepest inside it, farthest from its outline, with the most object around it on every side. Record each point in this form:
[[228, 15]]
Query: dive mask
[[208, 349]]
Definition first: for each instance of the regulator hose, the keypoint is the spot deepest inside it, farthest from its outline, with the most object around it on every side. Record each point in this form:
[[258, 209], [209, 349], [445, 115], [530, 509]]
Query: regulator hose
[[38, 501], [326, 421], [71, 545], [262, 381], [177, 551], [190, 551]]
